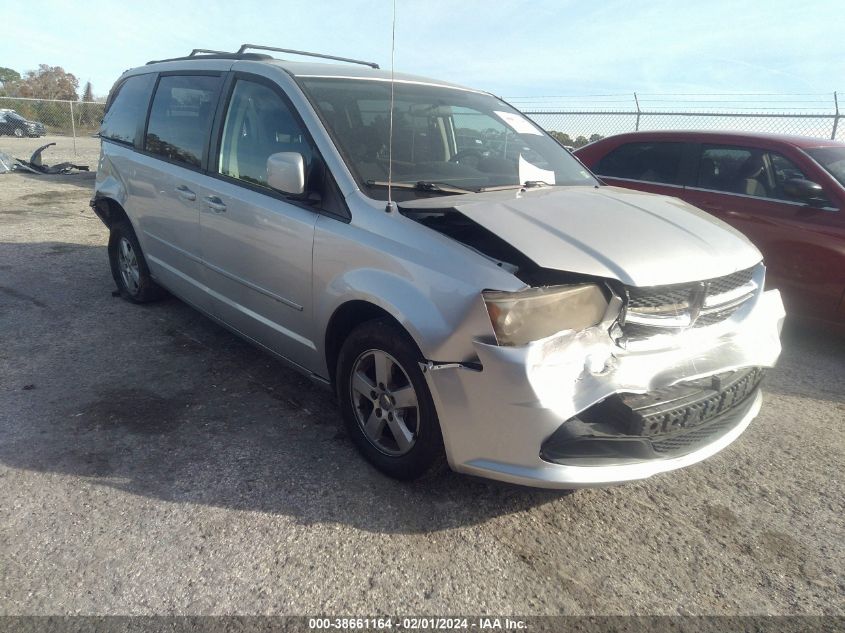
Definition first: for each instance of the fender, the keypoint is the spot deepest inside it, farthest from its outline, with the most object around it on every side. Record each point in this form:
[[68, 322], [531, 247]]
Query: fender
[[414, 310]]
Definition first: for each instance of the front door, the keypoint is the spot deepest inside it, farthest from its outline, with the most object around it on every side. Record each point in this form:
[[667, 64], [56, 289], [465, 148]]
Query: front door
[[256, 243]]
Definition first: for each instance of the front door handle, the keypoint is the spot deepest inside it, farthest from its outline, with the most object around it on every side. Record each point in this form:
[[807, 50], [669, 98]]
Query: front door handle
[[185, 193], [215, 204]]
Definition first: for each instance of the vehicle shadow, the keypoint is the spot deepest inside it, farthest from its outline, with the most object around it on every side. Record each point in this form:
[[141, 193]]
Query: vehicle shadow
[[159, 401], [82, 179]]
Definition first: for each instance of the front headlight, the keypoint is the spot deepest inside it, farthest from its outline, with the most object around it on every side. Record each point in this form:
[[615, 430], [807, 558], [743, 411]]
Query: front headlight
[[528, 315]]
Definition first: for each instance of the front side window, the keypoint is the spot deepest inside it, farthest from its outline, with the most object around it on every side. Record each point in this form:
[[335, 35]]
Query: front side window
[[650, 161], [443, 136], [181, 117], [832, 159], [127, 109], [258, 124], [748, 171], [783, 170]]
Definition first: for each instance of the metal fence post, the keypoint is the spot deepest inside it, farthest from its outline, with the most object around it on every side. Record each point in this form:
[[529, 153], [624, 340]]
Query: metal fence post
[[637, 124], [73, 127], [835, 116]]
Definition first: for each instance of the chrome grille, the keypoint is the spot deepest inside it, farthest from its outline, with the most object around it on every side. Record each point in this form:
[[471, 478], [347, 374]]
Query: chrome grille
[[664, 309], [657, 296], [730, 282]]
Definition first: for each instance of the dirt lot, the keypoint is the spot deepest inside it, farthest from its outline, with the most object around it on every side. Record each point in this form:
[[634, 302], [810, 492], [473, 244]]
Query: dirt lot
[[150, 462]]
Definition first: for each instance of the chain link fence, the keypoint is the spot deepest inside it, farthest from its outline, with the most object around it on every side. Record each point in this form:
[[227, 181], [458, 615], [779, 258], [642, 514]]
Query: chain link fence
[[26, 124], [578, 120], [575, 120]]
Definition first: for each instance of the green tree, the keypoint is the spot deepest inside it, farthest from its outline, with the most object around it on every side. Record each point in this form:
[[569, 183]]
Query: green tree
[[8, 78], [48, 82], [561, 137], [595, 137], [7, 74], [88, 112]]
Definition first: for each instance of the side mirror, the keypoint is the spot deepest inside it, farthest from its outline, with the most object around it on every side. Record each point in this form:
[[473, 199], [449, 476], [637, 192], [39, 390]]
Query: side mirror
[[805, 190], [286, 172]]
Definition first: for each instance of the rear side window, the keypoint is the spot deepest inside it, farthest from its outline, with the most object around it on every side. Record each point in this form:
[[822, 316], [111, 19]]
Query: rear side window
[[730, 169], [652, 162], [127, 108], [181, 117]]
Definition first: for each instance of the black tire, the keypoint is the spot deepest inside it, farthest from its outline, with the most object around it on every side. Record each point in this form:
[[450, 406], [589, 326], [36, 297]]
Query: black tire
[[140, 290], [19, 132], [427, 455]]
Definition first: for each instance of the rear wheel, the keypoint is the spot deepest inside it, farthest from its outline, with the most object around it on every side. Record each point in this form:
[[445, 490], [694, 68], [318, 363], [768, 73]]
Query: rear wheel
[[129, 268], [386, 404]]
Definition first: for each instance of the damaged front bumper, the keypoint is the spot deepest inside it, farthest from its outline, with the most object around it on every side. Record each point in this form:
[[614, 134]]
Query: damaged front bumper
[[496, 419]]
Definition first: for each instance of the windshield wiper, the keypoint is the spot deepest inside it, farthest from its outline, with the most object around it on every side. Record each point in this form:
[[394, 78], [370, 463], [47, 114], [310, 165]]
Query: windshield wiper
[[528, 184], [421, 185]]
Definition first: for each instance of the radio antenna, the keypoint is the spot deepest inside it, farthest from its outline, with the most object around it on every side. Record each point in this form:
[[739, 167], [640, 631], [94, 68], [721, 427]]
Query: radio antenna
[[390, 204]]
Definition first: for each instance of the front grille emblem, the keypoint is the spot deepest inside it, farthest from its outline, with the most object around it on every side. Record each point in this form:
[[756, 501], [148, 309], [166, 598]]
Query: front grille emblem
[[652, 310]]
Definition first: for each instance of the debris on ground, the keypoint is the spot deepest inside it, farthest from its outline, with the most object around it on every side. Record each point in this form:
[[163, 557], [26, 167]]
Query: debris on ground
[[35, 165], [7, 163]]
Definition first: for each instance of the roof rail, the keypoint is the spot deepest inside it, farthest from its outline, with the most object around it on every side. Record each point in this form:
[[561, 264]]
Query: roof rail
[[258, 47], [201, 53], [207, 51]]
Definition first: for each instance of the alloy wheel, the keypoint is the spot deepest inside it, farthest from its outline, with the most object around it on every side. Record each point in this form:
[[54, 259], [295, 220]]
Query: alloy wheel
[[128, 263], [385, 402]]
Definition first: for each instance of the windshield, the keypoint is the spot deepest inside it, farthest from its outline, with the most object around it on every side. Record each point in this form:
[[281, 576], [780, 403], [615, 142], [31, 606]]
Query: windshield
[[832, 159], [449, 137]]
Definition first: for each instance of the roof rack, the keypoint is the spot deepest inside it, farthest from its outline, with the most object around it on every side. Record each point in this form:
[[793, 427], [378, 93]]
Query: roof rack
[[258, 47], [206, 50], [201, 53], [206, 53]]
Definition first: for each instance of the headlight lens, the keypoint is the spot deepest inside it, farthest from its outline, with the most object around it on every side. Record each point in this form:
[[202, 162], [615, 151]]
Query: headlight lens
[[528, 315]]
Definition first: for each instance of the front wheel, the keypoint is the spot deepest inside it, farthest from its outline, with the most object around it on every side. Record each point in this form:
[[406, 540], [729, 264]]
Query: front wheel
[[19, 132], [129, 268], [385, 402]]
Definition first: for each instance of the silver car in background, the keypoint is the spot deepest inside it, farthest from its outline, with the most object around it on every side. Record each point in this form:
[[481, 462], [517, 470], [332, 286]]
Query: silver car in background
[[505, 312]]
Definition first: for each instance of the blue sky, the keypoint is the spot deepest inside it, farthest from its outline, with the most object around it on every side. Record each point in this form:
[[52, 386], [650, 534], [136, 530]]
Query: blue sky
[[510, 48]]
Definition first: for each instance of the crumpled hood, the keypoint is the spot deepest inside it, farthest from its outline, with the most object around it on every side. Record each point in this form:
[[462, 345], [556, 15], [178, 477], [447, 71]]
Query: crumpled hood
[[641, 239]]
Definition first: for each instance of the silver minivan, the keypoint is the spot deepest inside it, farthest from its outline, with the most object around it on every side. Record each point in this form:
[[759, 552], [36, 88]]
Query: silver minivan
[[471, 292]]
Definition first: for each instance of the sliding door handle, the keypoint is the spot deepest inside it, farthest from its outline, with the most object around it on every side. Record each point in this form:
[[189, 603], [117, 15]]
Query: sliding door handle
[[185, 193], [215, 204]]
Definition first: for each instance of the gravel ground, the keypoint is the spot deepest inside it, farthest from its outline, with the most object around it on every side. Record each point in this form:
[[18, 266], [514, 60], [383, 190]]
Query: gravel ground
[[150, 462]]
